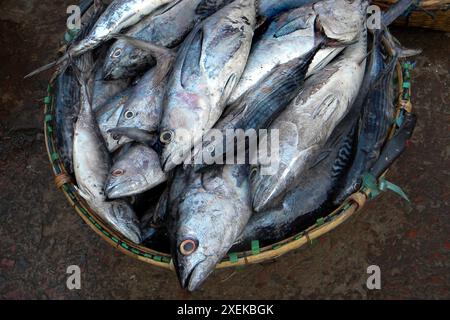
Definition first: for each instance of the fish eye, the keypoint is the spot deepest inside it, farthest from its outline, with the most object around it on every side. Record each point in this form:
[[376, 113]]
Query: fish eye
[[117, 53], [166, 137], [116, 137], [253, 173], [188, 247], [118, 173], [129, 115], [210, 149]]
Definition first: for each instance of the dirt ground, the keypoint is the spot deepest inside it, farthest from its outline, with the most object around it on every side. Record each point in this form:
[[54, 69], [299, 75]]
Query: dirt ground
[[42, 235]]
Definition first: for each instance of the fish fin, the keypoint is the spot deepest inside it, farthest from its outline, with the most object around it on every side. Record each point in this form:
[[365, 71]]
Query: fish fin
[[135, 134], [47, 67], [396, 46], [191, 63]]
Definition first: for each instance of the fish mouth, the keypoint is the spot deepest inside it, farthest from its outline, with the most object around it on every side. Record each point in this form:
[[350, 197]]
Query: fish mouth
[[190, 283]]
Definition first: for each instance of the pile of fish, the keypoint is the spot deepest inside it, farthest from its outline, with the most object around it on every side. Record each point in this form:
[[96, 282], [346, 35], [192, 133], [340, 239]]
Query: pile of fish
[[141, 71]]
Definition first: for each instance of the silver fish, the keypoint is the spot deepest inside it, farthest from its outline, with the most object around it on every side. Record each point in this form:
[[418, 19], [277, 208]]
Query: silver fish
[[206, 219], [119, 15], [136, 171], [206, 71], [105, 90], [92, 163], [311, 197], [108, 117], [378, 116], [307, 123], [292, 35], [167, 27], [67, 95], [288, 37], [143, 109]]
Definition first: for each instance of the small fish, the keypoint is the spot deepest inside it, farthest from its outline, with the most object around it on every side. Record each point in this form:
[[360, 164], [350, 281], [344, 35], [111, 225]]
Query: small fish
[[377, 119], [143, 109], [108, 117], [136, 171], [67, 98], [92, 162], [167, 28], [119, 15], [207, 212], [308, 122], [209, 64]]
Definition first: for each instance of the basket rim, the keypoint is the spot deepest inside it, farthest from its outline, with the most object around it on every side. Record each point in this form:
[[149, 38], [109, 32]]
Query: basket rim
[[163, 260]]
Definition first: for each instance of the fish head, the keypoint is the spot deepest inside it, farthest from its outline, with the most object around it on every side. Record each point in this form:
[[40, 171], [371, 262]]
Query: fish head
[[123, 61], [181, 128], [122, 217], [342, 20], [134, 172], [202, 236]]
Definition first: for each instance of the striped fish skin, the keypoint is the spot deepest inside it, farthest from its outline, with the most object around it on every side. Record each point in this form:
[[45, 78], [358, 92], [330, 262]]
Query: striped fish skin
[[259, 107], [208, 66], [307, 123], [288, 37], [377, 118], [311, 197], [294, 33], [167, 28]]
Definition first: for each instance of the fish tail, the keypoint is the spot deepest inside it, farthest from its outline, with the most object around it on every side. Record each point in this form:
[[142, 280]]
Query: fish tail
[[48, 66]]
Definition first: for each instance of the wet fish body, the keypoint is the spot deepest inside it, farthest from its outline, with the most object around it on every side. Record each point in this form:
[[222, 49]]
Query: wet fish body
[[208, 66], [167, 28], [307, 123]]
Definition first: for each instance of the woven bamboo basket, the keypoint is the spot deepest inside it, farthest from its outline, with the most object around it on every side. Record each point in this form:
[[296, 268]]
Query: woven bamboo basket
[[255, 253], [430, 14]]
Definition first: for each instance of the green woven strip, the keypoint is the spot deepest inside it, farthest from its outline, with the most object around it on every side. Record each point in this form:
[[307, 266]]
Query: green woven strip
[[49, 89], [48, 118], [276, 247], [115, 239], [54, 157], [166, 259], [157, 258], [135, 251], [406, 85], [386, 185], [255, 247], [320, 221], [48, 100], [50, 129], [233, 257], [146, 255], [124, 245], [371, 184]]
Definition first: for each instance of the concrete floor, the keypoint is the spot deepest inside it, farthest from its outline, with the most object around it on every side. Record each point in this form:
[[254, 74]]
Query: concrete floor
[[41, 234]]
